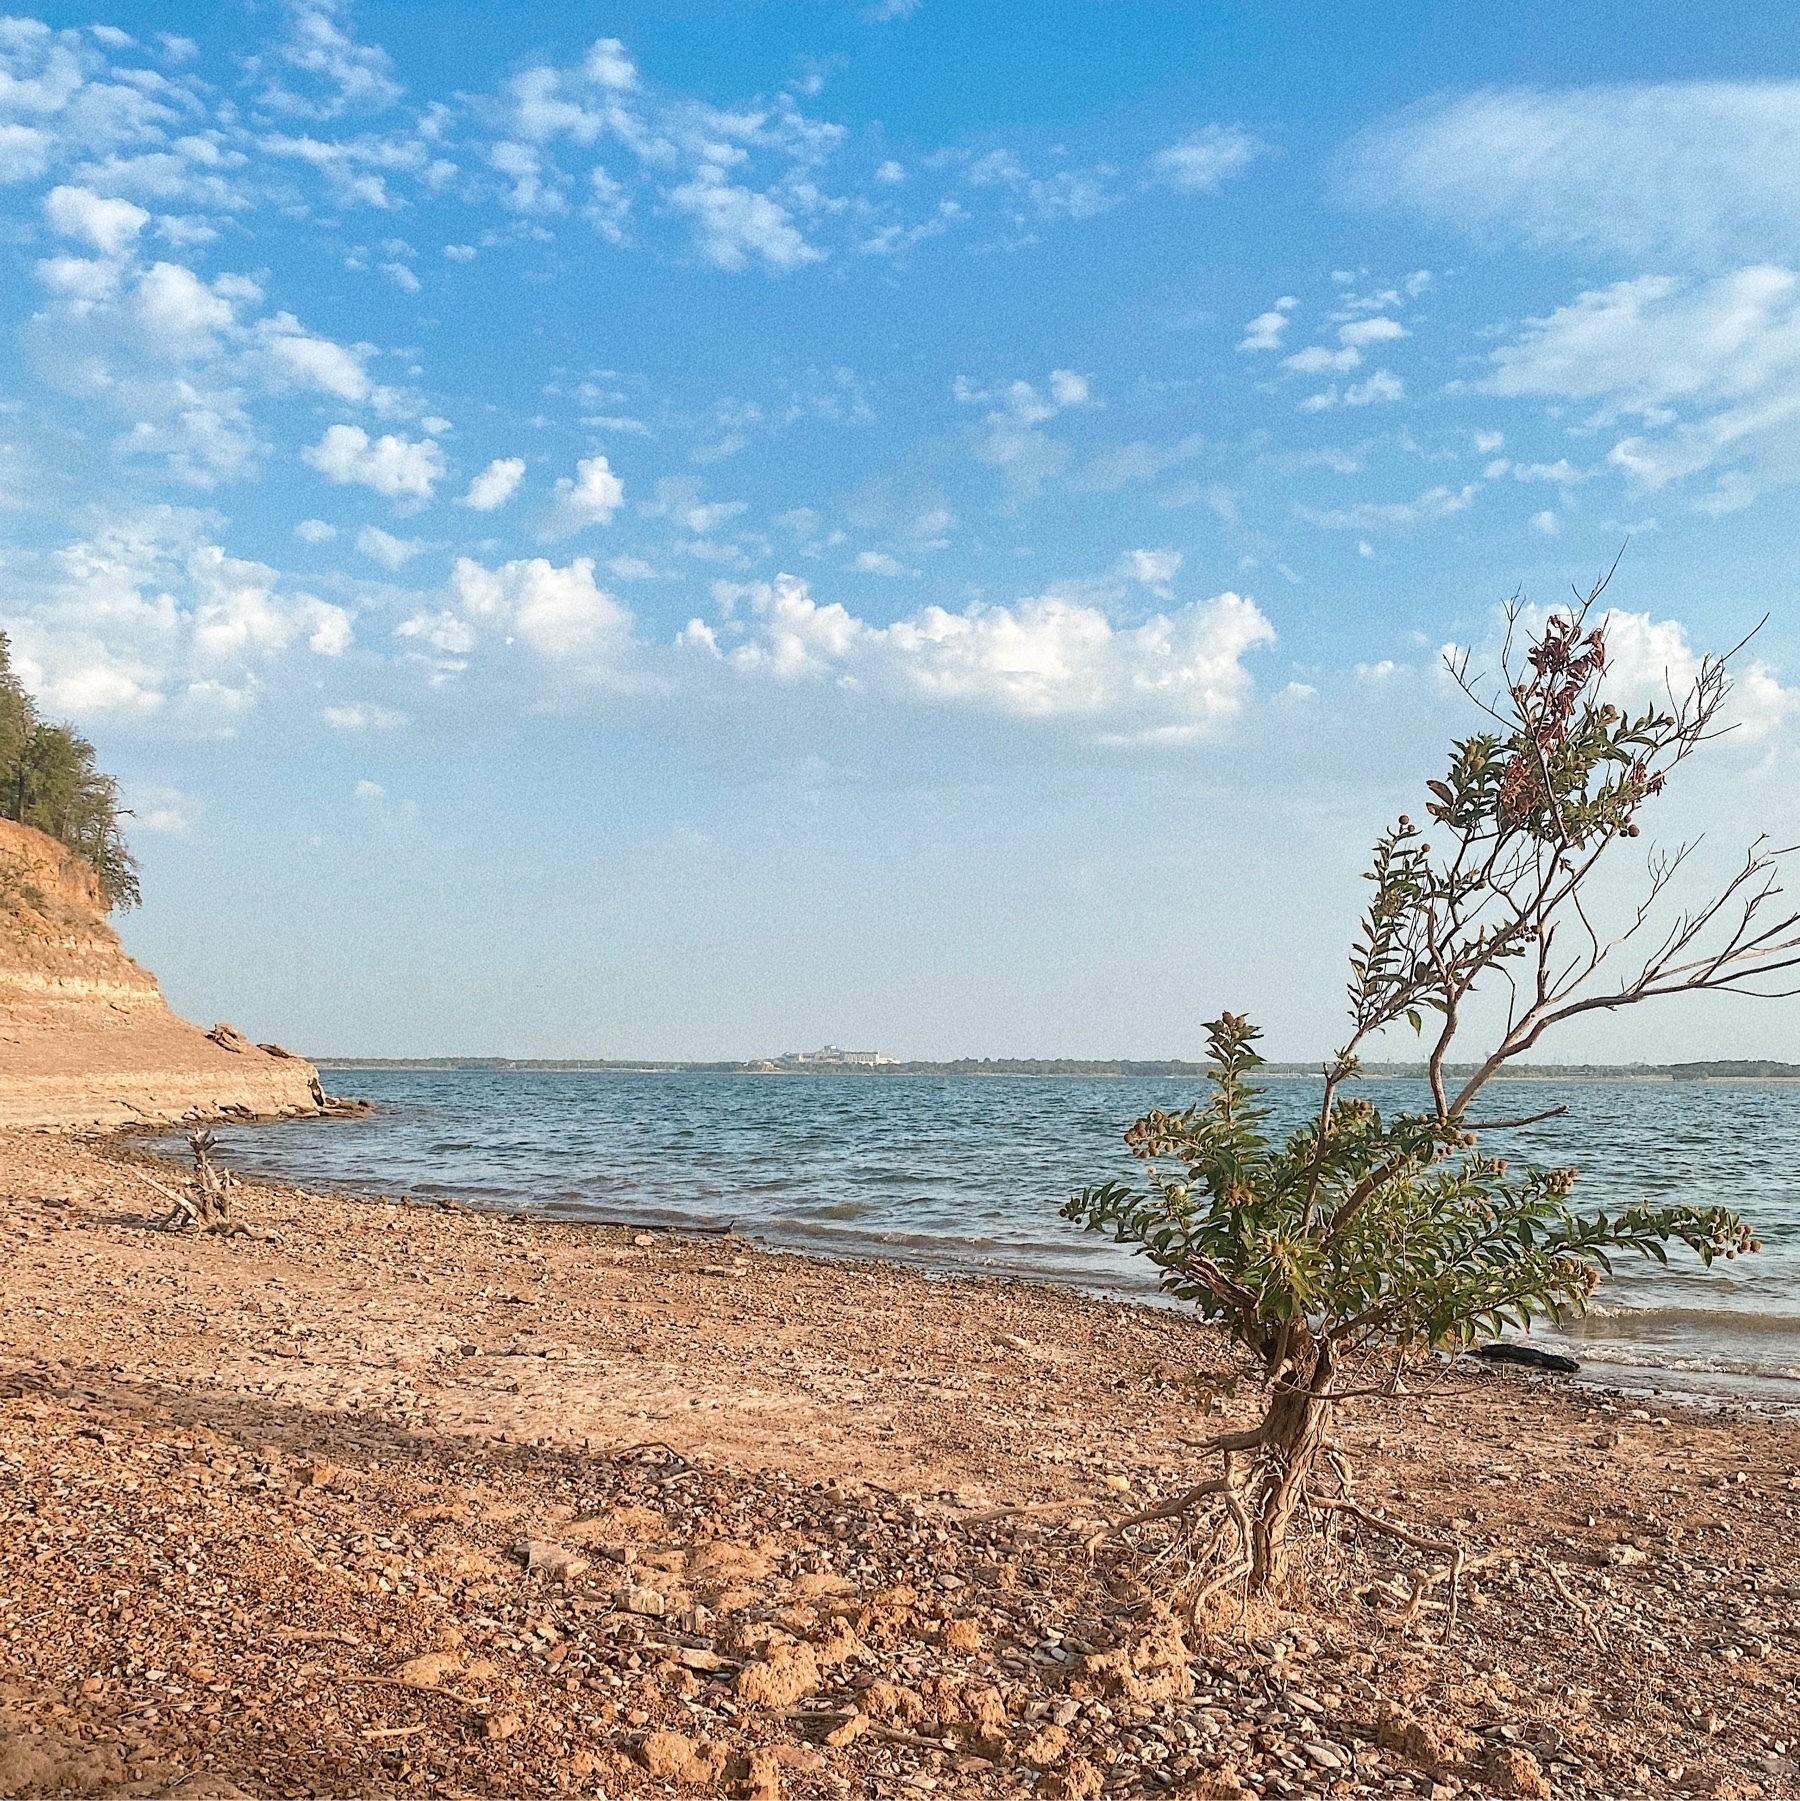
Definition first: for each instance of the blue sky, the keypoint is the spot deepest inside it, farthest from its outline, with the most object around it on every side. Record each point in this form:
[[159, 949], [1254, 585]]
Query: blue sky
[[692, 530]]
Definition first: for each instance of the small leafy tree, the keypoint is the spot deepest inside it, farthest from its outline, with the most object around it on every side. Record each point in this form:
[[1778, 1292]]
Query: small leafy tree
[[1362, 1240], [49, 779]]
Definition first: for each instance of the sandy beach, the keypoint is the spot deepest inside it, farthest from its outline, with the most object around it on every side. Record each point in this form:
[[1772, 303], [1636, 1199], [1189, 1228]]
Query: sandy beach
[[393, 1499]]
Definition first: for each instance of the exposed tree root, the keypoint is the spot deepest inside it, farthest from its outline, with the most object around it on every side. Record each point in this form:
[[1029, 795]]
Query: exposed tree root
[[1231, 1488], [1569, 1595]]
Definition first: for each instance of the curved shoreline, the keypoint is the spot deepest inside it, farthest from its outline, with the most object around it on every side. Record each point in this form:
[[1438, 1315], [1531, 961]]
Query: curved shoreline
[[265, 1472], [1613, 1362]]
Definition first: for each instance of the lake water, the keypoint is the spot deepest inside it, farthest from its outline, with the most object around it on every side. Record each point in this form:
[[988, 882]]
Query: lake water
[[967, 1173]]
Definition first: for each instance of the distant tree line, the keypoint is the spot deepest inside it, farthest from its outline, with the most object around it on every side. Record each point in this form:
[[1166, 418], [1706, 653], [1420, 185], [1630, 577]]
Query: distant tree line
[[48, 780]]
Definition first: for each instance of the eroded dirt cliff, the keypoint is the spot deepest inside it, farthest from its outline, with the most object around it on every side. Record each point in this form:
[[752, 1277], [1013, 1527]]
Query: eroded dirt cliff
[[86, 1038]]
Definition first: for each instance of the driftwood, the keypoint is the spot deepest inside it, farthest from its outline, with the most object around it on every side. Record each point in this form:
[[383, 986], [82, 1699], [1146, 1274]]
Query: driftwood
[[207, 1203]]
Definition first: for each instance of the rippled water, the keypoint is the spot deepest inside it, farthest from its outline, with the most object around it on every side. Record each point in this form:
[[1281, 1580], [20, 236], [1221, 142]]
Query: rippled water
[[968, 1172]]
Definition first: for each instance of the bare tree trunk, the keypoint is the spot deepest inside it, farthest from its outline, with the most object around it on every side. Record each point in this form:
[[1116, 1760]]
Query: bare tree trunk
[[1293, 1433]]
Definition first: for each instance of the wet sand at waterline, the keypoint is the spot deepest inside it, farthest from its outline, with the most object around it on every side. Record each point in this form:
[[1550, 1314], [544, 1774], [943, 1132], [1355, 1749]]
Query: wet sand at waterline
[[266, 1502]]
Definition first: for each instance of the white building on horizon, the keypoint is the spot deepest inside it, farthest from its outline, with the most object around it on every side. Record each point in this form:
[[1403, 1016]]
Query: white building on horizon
[[830, 1057]]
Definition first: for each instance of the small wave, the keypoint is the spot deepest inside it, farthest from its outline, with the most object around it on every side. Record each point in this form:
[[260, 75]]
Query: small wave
[[1715, 1319], [1626, 1356]]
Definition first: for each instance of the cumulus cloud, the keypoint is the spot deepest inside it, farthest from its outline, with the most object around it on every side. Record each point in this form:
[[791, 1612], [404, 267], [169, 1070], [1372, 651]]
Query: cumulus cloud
[[394, 466], [559, 611], [1176, 676], [495, 485], [1379, 330], [149, 614], [1316, 357], [1264, 332], [736, 223], [176, 358], [878, 562], [1201, 162], [301, 358], [1647, 658], [1381, 385], [591, 498], [1709, 372], [385, 548], [1062, 193], [109, 224], [746, 179], [1699, 170]]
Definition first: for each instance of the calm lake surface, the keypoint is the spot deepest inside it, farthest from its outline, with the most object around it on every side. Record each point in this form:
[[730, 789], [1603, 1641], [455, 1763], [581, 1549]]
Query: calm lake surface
[[967, 1173]]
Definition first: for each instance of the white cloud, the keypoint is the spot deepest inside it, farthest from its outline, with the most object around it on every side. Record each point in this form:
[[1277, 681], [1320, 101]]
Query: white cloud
[[1316, 357], [362, 718], [1381, 385], [609, 205], [1153, 567], [1175, 677], [342, 75], [150, 614], [1202, 161], [1377, 387], [1646, 658], [164, 810], [1264, 331], [1698, 170], [442, 632], [736, 223], [878, 562], [1546, 522], [560, 612], [393, 466], [110, 225], [1434, 504], [173, 357], [295, 355], [1064, 193], [495, 485], [1011, 442], [1379, 330], [385, 548], [531, 192], [315, 531], [590, 499], [1709, 371]]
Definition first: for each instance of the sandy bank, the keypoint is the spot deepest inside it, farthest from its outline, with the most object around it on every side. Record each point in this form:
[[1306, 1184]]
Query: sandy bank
[[86, 1038], [247, 1483]]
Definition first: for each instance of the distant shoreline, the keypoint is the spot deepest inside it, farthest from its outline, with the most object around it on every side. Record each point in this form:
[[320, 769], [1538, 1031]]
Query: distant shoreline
[[1723, 1070]]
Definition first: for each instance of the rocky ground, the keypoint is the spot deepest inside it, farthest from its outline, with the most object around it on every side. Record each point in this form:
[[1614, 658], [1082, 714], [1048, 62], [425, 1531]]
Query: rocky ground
[[391, 1500]]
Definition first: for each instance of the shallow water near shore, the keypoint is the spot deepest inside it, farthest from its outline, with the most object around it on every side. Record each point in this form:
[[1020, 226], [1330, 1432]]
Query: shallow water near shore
[[967, 1173]]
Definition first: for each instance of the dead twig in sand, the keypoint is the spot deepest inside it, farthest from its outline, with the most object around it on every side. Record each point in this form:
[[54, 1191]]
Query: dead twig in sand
[[411, 1688], [991, 1514], [1569, 1595]]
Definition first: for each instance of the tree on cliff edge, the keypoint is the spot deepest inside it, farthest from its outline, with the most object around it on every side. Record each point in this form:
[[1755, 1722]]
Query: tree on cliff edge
[[48, 779], [1363, 1241]]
